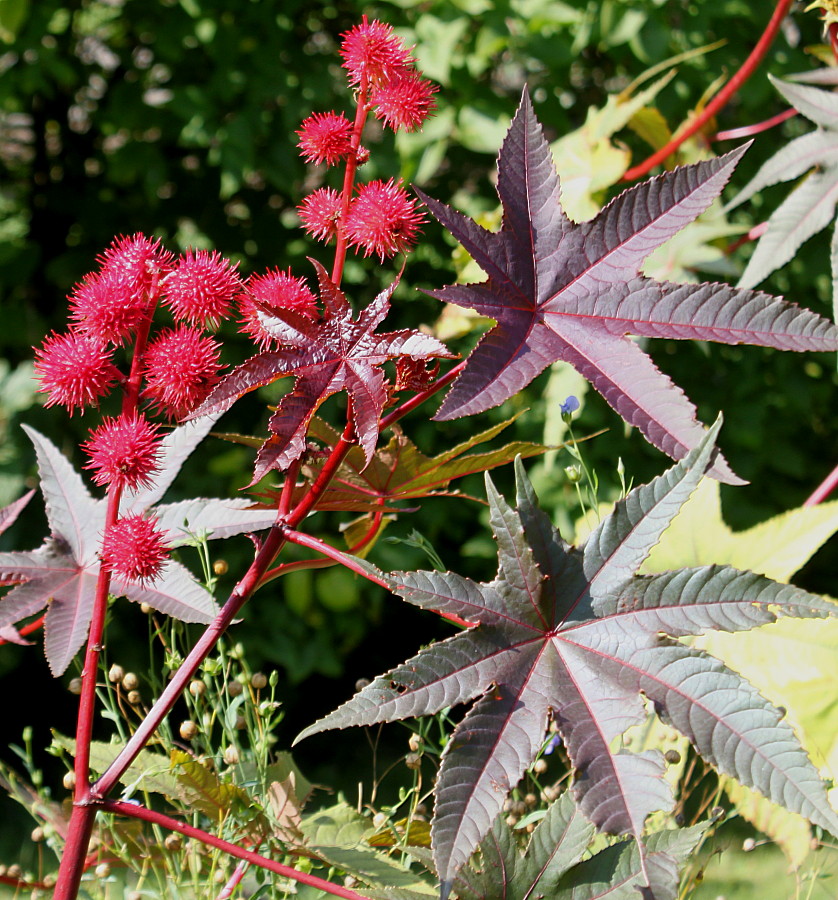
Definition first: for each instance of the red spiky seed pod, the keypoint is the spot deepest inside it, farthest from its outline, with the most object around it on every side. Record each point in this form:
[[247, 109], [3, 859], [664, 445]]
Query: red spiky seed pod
[[325, 138], [106, 307], [123, 452], [139, 261], [320, 213], [201, 287], [74, 369], [372, 52], [404, 102], [274, 291], [181, 368], [134, 549], [382, 220]]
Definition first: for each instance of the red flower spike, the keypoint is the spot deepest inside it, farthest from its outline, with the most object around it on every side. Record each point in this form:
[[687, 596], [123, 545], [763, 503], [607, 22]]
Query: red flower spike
[[181, 367], [382, 219], [107, 307], [325, 138], [134, 549], [372, 50], [404, 102], [201, 287], [123, 452], [136, 260], [270, 293], [320, 213], [74, 369]]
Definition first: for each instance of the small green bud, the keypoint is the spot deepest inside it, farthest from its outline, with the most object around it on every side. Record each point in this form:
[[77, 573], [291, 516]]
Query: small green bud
[[573, 473]]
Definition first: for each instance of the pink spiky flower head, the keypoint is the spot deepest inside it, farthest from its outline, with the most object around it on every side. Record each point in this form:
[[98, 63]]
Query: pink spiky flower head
[[135, 549], [320, 213], [181, 368], [138, 261], [371, 52], [404, 102], [383, 219], [201, 287], [123, 452], [74, 369], [325, 138], [275, 290]]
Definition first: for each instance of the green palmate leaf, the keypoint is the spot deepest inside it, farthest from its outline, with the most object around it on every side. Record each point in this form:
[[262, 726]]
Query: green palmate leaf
[[574, 634], [340, 836], [200, 788], [150, 771]]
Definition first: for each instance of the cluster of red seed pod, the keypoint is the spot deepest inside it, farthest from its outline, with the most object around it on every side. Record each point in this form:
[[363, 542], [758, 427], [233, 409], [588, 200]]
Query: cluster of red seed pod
[[379, 218]]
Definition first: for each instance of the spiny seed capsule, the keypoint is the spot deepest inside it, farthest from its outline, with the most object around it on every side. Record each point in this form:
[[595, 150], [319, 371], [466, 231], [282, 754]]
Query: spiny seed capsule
[[220, 567], [74, 687], [258, 680], [539, 766], [234, 688], [415, 742], [231, 756], [673, 757], [173, 842], [197, 688], [130, 682], [69, 780], [134, 698], [115, 674], [413, 760], [188, 730]]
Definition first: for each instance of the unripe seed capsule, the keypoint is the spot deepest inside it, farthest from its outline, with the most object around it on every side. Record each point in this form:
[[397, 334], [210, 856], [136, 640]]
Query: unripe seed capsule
[[539, 766], [197, 688], [258, 680], [188, 730], [673, 757], [49, 881], [74, 687], [173, 842], [130, 682], [231, 756], [38, 834], [234, 688], [116, 673], [220, 567], [145, 608], [14, 871], [241, 722], [69, 780], [361, 683], [530, 799], [134, 698], [379, 819], [103, 870], [413, 760]]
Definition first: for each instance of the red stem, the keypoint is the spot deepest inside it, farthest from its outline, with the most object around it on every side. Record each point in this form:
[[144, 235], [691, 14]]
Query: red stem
[[349, 180], [422, 396], [832, 33], [119, 807], [28, 629], [234, 882], [721, 99], [736, 134], [824, 489]]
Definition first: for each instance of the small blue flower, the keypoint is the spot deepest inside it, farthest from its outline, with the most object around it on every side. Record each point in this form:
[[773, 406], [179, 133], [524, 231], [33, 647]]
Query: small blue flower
[[555, 740], [569, 406]]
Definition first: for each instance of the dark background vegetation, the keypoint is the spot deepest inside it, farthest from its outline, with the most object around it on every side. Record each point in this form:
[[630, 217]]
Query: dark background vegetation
[[177, 119]]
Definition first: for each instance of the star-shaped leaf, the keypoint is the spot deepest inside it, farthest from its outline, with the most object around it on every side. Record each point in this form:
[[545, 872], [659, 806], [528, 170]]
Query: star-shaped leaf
[[573, 634], [336, 352], [574, 292], [810, 207], [62, 573]]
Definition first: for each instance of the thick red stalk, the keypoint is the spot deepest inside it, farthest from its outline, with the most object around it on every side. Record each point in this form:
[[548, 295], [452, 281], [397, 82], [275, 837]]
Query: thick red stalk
[[120, 807], [720, 100], [824, 489], [349, 180]]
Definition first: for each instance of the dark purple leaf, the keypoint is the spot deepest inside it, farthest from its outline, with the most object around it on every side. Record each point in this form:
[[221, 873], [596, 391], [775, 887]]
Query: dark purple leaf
[[562, 291], [333, 353], [575, 635]]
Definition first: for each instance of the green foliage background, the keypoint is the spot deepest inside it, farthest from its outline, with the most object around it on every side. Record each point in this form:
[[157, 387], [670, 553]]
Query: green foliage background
[[177, 118]]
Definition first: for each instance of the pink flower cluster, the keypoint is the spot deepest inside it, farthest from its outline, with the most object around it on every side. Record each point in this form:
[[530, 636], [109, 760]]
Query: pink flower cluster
[[380, 218]]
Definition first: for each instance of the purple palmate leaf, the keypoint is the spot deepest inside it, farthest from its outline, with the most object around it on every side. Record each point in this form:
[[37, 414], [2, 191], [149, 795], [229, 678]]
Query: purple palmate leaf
[[62, 573], [573, 634], [562, 291]]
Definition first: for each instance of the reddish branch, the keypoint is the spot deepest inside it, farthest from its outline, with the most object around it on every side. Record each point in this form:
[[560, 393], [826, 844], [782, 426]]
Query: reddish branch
[[721, 99]]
